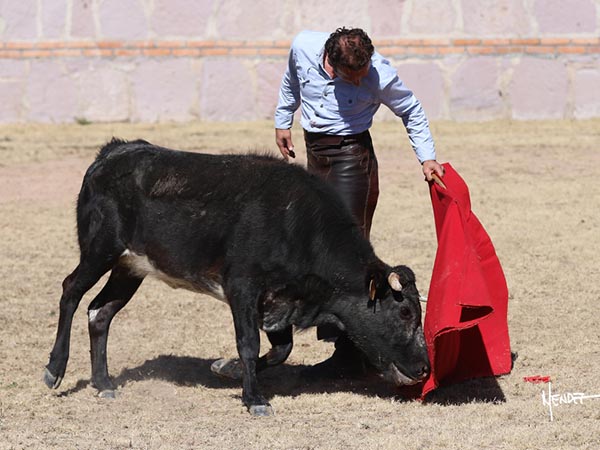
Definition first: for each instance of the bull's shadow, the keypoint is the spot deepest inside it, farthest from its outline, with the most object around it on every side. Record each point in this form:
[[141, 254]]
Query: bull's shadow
[[282, 380], [291, 380]]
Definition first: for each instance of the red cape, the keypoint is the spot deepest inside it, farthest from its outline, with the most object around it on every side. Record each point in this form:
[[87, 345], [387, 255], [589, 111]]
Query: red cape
[[466, 316]]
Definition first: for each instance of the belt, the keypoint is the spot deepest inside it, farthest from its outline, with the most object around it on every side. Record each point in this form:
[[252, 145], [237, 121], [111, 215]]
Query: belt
[[334, 139]]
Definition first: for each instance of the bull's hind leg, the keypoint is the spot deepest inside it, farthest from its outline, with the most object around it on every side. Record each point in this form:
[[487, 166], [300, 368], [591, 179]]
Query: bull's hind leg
[[97, 225], [281, 347], [118, 290], [75, 286]]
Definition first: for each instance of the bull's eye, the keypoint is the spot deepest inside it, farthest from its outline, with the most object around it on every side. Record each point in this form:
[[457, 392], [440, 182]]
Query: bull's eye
[[398, 296], [405, 313]]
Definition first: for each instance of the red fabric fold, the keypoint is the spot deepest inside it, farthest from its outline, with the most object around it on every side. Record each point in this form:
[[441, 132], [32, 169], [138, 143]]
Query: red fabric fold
[[465, 325]]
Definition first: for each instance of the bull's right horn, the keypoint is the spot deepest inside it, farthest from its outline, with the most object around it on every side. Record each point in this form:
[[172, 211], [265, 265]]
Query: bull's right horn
[[394, 281]]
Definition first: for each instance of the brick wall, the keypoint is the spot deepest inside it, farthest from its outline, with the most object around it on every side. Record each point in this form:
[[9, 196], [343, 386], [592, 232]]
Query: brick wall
[[161, 60]]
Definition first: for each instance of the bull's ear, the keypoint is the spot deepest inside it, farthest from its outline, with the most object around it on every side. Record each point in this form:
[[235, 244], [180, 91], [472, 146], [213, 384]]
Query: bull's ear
[[394, 281], [378, 287], [372, 290]]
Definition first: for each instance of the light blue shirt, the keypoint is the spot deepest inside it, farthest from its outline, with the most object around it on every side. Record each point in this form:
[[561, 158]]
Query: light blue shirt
[[334, 106]]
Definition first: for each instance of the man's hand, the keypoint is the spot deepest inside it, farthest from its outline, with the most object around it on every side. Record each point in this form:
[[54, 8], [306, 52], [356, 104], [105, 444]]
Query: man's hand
[[430, 167], [283, 139]]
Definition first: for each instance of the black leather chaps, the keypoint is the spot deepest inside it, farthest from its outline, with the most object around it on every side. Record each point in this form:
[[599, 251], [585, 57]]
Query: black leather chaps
[[349, 164]]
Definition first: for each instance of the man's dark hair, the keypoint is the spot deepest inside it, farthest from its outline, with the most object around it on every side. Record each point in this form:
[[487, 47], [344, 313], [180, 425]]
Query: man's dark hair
[[351, 48]]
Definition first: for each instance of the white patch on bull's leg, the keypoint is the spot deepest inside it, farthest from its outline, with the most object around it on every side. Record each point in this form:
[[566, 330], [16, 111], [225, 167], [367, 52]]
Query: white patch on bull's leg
[[92, 313]]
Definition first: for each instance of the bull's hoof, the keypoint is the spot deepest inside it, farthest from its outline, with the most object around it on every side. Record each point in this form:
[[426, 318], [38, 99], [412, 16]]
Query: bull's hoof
[[52, 381], [108, 393], [228, 368], [261, 410]]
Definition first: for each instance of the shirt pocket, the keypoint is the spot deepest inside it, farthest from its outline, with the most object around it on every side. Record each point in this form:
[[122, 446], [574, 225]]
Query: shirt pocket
[[354, 101], [346, 100]]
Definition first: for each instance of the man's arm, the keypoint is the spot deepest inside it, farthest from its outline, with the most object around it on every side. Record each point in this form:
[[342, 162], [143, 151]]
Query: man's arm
[[405, 105], [289, 101]]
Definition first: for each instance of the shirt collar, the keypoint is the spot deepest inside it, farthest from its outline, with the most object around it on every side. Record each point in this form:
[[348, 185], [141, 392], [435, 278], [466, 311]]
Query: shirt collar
[[320, 59]]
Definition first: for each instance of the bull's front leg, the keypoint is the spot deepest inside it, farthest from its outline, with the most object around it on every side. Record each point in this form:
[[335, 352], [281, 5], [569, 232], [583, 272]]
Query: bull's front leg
[[243, 299]]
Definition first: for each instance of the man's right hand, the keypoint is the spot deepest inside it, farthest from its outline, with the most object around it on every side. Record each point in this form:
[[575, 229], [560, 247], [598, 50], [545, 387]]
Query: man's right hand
[[283, 139]]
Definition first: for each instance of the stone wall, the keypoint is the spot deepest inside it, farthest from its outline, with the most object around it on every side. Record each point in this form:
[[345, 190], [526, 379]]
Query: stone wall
[[180, 60]]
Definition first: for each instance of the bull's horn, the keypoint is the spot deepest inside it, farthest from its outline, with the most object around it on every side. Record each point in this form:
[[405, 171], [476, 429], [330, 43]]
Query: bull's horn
[[394, 281]]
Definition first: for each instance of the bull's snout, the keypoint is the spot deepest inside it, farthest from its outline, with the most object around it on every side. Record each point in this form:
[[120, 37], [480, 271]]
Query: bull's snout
[[412, 376]]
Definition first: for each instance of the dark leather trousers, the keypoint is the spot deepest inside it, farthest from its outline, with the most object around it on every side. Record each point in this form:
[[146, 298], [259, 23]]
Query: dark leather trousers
[[349, 164]]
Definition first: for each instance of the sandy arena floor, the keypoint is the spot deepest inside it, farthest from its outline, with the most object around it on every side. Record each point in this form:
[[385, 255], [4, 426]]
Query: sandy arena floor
[[534, 186]]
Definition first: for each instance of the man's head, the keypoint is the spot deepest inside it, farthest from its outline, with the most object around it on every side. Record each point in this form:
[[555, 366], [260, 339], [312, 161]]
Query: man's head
[[349, 53]]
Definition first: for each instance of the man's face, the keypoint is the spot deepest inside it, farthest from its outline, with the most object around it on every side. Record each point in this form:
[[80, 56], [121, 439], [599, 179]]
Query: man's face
[[352, 76]]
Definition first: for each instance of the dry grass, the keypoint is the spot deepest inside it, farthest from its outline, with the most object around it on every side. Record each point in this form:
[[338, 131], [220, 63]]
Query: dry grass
[[533, 185]]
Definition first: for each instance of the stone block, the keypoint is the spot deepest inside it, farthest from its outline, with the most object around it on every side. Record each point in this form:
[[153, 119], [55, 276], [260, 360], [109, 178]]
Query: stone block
[[54, 18], [177, 18], [587, 92], [268, 75], [475, 92], [11, 69], [539, 89], [560, 16], [432, 17], [427, 83], [241, 19], [325, 16], [103, 92], [51, 94], [122, 19], [226, 91], [386, 18], [82, 20], [18, 20], [495, 18], [163, 90], [11, 106]]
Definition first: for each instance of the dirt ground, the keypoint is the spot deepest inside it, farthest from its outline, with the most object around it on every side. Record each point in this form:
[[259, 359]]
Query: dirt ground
[[534, 186]]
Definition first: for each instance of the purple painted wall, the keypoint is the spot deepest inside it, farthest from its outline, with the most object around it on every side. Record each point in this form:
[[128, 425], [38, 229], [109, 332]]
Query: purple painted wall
[[139, 60]]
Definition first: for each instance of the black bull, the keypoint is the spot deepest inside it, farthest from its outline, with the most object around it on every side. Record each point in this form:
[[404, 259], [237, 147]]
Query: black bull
[[274, 242]]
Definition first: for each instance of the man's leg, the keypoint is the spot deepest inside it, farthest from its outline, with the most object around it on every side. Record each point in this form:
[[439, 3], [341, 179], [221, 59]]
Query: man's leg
[[350, 166]]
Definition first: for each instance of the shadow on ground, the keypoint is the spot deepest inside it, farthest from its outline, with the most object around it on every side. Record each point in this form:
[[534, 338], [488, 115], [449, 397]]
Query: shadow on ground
[[292, 380], [479, 390]]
